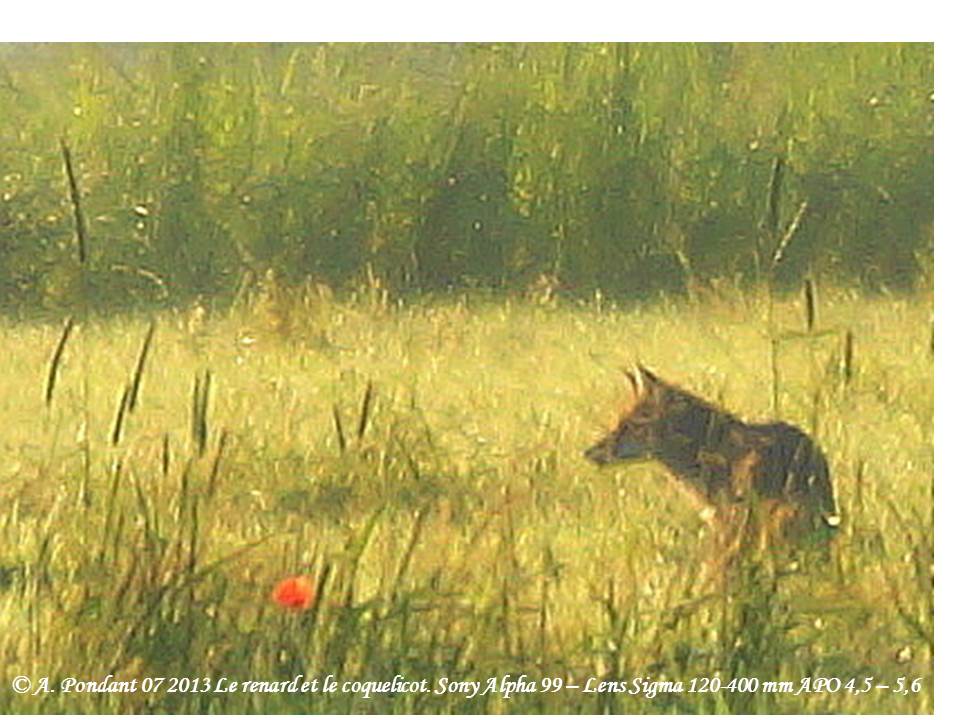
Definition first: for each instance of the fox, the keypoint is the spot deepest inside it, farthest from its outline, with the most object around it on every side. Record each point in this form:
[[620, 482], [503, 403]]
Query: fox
[[757, 484]]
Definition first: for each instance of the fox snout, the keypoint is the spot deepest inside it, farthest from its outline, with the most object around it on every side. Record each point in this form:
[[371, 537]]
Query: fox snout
[[620, 446], [600, 454]]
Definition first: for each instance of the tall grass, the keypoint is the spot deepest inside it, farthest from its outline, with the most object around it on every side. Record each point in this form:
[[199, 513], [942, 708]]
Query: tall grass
[[633, 168], [446, 518]]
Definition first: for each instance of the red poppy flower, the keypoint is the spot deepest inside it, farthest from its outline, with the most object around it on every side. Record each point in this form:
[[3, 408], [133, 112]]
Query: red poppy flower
[[295, 593]]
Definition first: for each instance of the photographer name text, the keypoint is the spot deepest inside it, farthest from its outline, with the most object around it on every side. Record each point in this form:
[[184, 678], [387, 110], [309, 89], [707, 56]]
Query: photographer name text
[[506, 686]]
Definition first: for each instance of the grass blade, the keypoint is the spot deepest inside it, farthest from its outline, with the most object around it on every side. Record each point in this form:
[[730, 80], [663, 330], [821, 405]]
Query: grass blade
[[218, 458], [201, 406], [848, 357], [141, 363], [809, 303], [365, 411], [121, 413], [338, 424], [56, 358], [75, 201]]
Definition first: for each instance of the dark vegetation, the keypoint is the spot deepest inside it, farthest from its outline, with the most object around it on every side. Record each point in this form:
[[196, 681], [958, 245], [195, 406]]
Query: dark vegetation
[[633, 169]]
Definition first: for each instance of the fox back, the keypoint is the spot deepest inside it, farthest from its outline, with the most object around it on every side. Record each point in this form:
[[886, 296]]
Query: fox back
[[728, 463]]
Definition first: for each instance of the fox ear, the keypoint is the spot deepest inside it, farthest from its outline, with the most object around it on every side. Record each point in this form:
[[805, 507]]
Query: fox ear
[[634, 382], [646, 377]]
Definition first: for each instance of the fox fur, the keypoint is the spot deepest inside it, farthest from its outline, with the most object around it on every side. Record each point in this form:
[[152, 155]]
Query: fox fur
[[763, 483]]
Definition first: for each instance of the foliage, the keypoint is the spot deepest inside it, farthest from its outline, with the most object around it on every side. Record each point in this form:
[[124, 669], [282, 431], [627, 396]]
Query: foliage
[[632, 169]]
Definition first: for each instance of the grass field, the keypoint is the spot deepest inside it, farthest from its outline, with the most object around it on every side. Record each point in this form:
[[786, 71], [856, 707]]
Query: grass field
[[453, 528]]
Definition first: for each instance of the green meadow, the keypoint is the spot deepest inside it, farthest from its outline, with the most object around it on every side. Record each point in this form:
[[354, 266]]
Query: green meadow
[[421, 464], [347, 316]]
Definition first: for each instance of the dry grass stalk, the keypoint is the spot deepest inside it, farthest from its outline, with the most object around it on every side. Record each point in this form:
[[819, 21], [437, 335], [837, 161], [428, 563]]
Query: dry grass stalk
[[790, 233]]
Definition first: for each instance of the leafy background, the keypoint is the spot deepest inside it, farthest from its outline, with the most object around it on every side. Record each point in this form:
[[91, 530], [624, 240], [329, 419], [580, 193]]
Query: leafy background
[[634, 169]]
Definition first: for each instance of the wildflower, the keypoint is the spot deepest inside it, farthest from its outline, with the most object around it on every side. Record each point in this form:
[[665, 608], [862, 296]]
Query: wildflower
[[295, 593]]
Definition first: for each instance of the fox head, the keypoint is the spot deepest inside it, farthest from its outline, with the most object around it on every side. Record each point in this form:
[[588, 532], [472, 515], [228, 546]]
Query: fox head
[[643, 430]]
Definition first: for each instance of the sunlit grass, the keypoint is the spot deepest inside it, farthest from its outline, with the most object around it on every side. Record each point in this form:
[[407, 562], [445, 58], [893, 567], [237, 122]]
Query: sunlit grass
[[462, 535]]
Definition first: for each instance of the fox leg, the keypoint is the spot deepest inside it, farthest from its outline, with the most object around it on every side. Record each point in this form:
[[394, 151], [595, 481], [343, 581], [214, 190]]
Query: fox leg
[[728, 533]]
